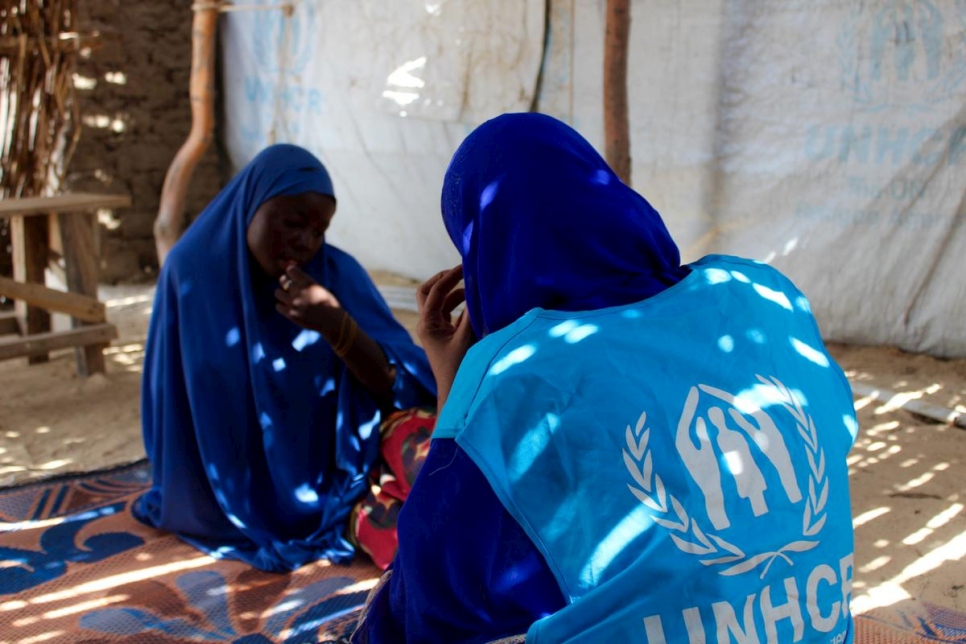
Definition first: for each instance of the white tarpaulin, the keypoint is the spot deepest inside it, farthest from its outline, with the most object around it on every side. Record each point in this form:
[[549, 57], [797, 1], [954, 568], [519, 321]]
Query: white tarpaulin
[[825, 137]]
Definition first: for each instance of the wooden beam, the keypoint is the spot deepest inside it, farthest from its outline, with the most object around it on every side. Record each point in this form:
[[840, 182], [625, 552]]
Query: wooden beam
[[80, 257], [617, 143], [76, 202], [77, 306], [29, 240], [43, 343], [9, 325]]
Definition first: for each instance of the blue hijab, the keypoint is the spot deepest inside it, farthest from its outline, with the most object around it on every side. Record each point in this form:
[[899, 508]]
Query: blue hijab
[[541, 220], [259, 437]]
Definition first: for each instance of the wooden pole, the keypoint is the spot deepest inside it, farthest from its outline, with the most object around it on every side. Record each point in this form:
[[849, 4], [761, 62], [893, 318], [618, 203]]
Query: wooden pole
[[170, 220], [617, 145]]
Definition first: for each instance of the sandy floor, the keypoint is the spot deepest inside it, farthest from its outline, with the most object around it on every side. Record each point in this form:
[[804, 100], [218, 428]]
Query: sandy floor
[[908, 486]]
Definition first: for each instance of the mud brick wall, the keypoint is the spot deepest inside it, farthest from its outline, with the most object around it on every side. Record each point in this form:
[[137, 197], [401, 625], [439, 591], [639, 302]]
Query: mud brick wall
[[136, 110]]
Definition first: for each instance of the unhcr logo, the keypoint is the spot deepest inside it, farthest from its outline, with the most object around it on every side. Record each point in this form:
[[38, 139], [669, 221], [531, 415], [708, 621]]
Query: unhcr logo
[[284, 39], [908, 54]]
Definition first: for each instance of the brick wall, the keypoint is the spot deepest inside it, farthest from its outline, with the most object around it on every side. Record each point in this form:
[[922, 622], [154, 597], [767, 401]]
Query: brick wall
[[134, 97]]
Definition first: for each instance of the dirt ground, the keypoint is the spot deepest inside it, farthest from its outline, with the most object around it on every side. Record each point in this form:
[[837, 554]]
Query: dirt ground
[[908, 487]]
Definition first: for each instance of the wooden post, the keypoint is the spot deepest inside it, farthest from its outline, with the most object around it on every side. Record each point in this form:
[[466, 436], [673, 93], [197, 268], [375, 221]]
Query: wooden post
[[29, 239], [617, 145], [170, 220], [80, 257]]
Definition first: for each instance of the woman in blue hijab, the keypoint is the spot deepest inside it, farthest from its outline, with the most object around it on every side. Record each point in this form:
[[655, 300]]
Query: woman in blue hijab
[[548, 503], [271, 361]]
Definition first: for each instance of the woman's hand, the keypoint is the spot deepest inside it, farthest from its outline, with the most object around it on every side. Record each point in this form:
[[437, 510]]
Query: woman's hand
[[444, 340], [303, 301]]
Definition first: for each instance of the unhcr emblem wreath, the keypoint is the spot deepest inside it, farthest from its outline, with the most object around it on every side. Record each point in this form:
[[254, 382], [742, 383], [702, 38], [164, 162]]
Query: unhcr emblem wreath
[[686, 531]]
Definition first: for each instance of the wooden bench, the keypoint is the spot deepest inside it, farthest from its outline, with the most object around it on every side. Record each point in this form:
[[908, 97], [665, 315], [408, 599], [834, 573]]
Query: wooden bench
[[31, 222]]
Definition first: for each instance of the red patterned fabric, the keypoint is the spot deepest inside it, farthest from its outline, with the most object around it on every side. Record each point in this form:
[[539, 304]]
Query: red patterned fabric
[[405, 444]]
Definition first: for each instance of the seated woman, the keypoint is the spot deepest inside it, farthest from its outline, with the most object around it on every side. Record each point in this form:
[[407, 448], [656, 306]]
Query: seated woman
[[634, 450], [271, 360]]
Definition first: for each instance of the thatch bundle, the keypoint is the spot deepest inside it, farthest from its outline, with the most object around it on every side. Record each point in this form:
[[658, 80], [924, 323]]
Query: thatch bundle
[[39, 112]]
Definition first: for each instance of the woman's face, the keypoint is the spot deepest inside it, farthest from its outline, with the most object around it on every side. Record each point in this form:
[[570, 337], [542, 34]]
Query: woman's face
[[289, 229]]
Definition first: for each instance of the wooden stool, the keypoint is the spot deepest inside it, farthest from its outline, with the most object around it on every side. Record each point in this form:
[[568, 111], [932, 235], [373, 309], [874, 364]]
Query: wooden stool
[[30, 227]]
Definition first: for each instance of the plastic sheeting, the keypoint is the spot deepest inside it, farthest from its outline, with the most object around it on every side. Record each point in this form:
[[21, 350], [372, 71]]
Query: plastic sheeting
[[827, 137]]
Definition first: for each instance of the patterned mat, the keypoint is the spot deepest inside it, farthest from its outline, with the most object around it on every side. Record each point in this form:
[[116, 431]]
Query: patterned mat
[[76, 567]]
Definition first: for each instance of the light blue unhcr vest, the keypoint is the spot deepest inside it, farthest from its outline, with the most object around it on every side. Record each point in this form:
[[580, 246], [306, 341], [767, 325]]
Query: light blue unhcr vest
[[679, 462]]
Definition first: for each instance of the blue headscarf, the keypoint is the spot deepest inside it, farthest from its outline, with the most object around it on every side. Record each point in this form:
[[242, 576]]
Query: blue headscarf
[[259, 438], [542, 221]]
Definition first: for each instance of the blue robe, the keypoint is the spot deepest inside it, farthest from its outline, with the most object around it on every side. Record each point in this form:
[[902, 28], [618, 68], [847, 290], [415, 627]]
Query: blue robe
[[259, 437], [540, 220]]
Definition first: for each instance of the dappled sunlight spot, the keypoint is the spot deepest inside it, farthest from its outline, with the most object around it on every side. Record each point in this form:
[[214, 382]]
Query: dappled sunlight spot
[[939, 467], [515, 357], [716, 275], [874, 447], [306, 494], [580, 333], [916, 482], [884, 427], [85, 606], [934, 524], [283, 607], [53, 465], [624, 533], [113, 581], [756, 336], [143, 556], [875, 564], [855, 458], [16, 604], [258, 353], [809, 353], [468, 236], [402, 86], [871, 515], [881, 596], [790, 245], [741, 277], [43, 637], [851, 425], [601, 177], [84, 82], [528, 450], [489, 194], [25, 621], [279, 364], [305, 339], [108, 219], [12, 434], [881, 543], [801, 303], [135, 347], [772, 295], [116, 78], [726, 343], [563, 328], [127, 301], [42, 430], [909, 463], [952, 550], [233, 337]]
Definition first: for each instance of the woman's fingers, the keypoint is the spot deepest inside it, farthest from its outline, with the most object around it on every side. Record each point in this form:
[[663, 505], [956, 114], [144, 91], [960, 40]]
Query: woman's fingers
[[283, 296], [453, 299], [423, 291], [287, 311], [442, 284], [298, 276]]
